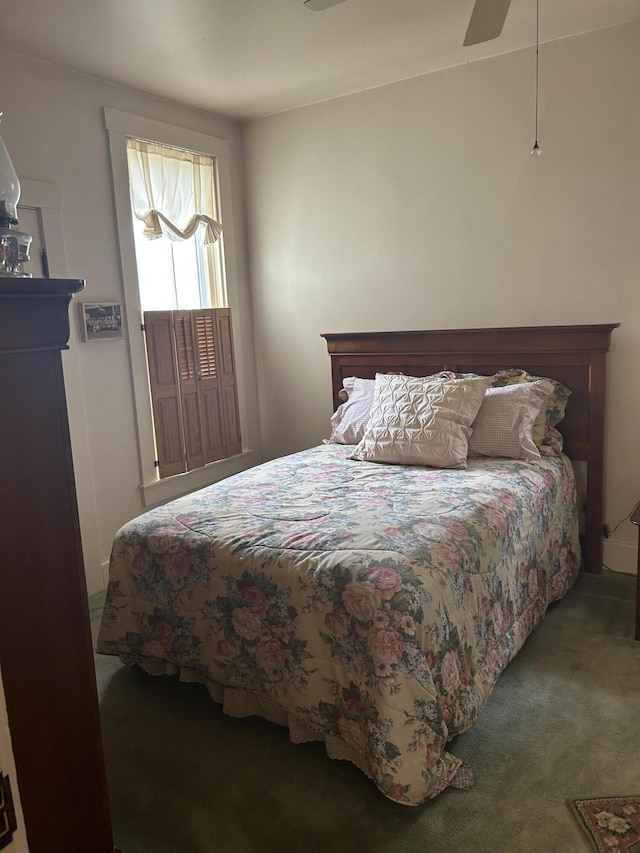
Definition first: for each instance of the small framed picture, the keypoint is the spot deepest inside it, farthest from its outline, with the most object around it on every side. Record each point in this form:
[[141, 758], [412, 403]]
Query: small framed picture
[[100, 321]]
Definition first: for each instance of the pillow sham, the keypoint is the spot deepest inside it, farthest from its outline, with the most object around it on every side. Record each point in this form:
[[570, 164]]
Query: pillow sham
[[421, 421], [546, 437], [504, 423], [350, 418]]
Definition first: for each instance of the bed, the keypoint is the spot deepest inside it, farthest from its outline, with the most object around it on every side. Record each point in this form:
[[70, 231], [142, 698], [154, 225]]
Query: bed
[[368, 603]]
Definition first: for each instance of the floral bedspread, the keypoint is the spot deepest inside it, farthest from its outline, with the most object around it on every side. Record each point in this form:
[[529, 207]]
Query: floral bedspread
[[374, 604]]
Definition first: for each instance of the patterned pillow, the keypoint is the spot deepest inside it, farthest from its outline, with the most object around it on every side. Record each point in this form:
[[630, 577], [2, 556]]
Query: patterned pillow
[[421, 421], [349, 419], [546, 437], [504, 423]]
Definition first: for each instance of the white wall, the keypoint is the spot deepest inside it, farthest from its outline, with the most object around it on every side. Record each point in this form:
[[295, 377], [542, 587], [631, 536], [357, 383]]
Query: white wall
[[415, 205], [418, 205], [53, 128]]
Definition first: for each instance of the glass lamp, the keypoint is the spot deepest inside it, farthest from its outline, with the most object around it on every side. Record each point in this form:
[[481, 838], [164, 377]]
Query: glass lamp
[[14, 244]]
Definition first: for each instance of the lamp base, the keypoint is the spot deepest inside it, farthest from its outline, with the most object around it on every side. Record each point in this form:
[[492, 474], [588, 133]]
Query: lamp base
[[14, 252]]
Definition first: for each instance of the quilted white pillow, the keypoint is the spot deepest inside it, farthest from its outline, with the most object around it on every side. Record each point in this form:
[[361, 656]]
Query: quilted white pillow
[[351, 417], [416, 421], [504, 424]]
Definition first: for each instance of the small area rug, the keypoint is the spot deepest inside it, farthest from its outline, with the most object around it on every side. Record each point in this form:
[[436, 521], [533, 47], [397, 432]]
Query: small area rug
[[611, 823]]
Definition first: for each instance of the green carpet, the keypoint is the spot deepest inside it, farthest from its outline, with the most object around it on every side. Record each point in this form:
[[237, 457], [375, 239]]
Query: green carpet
[[561, 724]]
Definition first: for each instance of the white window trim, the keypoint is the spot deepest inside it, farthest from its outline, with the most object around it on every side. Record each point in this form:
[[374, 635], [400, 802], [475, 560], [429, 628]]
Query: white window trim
[[119, 125]]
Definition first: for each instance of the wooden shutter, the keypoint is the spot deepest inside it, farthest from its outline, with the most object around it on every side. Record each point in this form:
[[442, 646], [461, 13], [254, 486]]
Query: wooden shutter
[[228, 386], [189, 389], [208, 385], [165, 392], [193, 387]]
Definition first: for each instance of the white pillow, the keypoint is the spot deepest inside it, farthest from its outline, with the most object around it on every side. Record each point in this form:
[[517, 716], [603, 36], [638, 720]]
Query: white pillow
[[505, 421], [350, 418], [421, 421]]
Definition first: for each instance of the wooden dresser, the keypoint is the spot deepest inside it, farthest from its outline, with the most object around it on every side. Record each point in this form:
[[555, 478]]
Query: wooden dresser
[[45, 641]]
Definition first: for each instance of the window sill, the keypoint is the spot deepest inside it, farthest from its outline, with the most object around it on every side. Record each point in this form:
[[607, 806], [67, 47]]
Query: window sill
[[159, 491]]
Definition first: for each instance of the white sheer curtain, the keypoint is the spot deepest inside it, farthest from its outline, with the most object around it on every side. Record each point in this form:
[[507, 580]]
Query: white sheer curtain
[[173, 191]]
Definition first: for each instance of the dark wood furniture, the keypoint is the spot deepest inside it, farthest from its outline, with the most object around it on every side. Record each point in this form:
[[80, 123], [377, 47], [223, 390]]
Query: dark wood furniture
[[576, 355], [45, 641], [635, 519]]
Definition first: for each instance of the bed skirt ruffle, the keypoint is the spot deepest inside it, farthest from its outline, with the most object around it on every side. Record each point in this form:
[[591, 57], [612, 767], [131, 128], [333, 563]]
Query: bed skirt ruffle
[[240, 703]]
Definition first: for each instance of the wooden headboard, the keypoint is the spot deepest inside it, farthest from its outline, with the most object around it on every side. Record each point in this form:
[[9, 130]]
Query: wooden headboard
[[576, 355]]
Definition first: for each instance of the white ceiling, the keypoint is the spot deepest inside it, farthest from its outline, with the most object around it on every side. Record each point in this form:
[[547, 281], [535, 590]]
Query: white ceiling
[[250, 58]]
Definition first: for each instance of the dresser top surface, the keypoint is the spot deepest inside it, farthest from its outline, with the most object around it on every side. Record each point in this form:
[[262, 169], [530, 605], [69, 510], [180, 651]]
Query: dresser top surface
[[17, 286]]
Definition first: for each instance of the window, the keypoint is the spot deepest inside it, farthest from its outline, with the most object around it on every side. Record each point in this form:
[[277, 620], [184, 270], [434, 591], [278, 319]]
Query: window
[[183, 292], [177, 226], [177, 231], [171, 275]]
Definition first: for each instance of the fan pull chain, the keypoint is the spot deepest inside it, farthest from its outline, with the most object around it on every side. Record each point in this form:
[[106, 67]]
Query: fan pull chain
[[536, 151]]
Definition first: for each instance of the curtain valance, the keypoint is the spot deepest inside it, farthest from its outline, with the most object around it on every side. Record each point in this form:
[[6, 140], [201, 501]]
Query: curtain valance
[[173, 191]]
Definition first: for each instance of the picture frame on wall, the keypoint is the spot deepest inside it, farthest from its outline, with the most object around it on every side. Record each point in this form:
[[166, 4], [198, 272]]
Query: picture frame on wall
[[100, 321]]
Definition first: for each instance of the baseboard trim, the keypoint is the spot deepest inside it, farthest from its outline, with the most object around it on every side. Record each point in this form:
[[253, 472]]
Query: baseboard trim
[[620, 556]]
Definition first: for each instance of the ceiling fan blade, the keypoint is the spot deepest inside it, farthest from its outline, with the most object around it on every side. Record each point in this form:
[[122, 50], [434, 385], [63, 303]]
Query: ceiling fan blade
[[487, 21], [319, 5]]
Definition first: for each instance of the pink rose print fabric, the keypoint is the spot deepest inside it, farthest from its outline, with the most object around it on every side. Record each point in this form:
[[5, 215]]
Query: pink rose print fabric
[[373, 605]]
